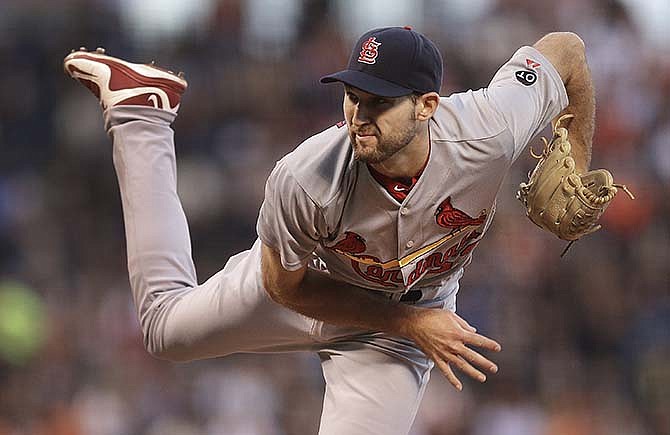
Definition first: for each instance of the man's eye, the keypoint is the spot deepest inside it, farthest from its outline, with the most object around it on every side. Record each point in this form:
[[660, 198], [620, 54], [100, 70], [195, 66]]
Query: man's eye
[[382, 101], [352, 97]]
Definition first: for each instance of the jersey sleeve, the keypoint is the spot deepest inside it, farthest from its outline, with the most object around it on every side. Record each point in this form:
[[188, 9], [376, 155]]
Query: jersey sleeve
[[288, 220], [528, 92]]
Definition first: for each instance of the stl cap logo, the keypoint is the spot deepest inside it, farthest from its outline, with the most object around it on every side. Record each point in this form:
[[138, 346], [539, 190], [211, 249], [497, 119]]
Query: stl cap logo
[[369, 51]]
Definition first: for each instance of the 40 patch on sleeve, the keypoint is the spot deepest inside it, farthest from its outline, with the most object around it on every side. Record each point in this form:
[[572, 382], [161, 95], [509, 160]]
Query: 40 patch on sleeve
[[527, 78]]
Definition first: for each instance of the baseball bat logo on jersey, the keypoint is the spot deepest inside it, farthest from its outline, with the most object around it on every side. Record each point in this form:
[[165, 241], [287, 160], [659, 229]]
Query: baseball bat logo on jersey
[[369, 51], [352, 247], [464, 230]]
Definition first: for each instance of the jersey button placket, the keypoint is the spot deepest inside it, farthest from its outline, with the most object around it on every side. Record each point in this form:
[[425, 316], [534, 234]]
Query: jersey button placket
[[405, 230], [404, 211]]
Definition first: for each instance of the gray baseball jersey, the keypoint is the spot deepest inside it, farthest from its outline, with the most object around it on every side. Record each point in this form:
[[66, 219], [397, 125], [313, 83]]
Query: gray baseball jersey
[[323, 206], [324, 209]]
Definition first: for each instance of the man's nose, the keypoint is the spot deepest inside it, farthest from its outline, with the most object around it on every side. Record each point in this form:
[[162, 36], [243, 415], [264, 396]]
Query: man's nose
[[361, 116]]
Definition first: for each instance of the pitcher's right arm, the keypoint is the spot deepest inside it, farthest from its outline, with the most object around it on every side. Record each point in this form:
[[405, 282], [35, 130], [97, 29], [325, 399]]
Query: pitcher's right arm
[[441, 334]]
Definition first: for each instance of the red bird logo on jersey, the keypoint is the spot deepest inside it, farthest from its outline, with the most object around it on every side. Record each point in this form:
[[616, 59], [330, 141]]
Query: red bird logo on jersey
[[464, 233], [447, 216], [369, 267], [351, 244]]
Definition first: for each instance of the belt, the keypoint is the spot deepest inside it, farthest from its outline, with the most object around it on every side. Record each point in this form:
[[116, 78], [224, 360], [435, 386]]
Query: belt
[[411, 296]]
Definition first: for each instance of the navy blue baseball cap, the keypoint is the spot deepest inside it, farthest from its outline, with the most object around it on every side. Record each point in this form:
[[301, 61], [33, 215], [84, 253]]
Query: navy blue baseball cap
[[392, 62]]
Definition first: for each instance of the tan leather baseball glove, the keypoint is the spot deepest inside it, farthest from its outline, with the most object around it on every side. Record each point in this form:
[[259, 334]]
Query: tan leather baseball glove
[[560, 200]]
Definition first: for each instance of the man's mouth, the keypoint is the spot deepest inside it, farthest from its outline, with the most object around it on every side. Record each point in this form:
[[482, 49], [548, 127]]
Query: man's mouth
[[365, 138], [364, 134]]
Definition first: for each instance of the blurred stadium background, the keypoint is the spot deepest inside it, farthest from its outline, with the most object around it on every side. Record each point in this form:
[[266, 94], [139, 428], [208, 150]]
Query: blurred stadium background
[[586, 339]]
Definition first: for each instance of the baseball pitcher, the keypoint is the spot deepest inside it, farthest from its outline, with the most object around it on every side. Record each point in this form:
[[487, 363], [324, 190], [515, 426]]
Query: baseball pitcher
[[365, 229]]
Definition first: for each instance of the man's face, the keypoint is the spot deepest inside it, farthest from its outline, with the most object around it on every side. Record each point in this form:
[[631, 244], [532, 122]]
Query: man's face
[[379, 127]]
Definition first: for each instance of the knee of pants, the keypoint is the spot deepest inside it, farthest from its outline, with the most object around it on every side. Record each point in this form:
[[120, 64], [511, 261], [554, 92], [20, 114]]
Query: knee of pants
[[171, 347], [158, 342], [175, 354], [182, 325], [154, 338]]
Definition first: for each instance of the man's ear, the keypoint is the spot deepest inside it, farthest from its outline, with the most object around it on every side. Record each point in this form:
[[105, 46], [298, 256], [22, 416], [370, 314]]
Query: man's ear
[[427, 106]]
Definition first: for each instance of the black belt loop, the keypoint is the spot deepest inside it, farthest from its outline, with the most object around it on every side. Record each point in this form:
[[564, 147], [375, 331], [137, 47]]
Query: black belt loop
[[411, 296]]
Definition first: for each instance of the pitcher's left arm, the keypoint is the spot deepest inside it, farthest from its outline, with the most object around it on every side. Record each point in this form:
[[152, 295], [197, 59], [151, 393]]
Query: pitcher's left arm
[[567, 53]]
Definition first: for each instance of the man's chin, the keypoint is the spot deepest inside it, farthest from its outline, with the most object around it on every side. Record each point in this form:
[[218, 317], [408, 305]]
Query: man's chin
[[368, 156], [367, 149]]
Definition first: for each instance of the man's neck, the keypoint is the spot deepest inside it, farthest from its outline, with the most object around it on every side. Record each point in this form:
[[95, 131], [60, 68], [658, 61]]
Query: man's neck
[[409, 161]]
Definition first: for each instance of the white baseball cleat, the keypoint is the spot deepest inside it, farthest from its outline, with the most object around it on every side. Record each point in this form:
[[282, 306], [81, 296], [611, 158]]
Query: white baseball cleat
[[119, 83]]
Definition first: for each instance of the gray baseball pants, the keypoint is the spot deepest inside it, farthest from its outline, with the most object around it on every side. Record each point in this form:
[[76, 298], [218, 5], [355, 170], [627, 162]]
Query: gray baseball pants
[[374, 382]]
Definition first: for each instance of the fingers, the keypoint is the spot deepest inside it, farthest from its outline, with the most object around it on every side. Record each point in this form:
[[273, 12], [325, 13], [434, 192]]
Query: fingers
[[481, 341], [449, 346], [467, 368], [445, 368], [464, 324], [479, 360]]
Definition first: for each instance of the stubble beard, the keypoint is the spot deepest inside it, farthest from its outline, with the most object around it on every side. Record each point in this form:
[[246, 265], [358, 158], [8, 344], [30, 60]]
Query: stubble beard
[[386, 146]]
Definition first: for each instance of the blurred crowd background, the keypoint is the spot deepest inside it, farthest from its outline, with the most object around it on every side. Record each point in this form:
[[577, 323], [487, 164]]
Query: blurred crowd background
[[586, 339]]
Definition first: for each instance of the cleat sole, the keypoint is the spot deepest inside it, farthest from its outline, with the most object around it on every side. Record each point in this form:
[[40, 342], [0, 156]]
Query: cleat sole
[[97, 54]]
